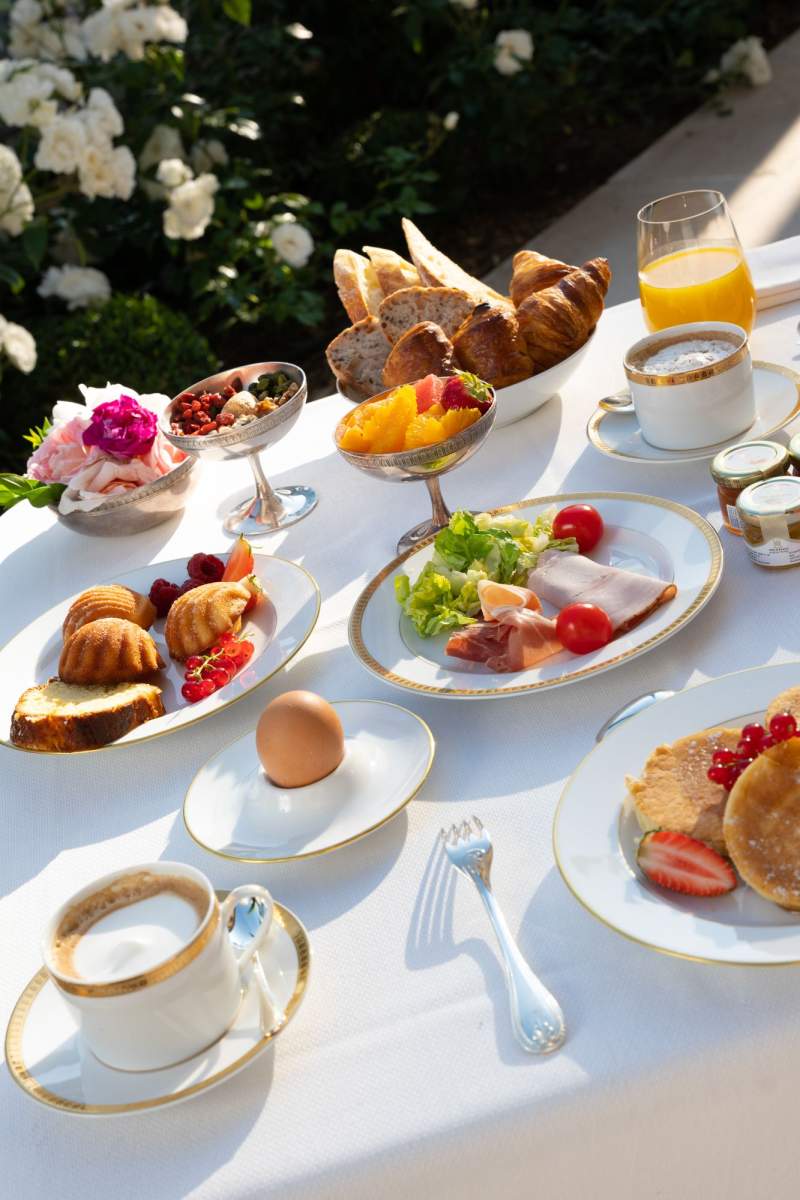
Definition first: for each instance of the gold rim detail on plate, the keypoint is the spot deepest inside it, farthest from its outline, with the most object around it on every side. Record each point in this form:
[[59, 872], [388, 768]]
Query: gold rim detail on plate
[[29, 1084], [631, 937], [336, 845], [701, 452], [151, 737], [164, 970], [359, 648]]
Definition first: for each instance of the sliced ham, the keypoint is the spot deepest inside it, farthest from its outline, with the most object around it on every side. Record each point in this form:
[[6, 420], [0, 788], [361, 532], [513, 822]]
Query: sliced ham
[[518, 639], [562, 578], [497, 598]]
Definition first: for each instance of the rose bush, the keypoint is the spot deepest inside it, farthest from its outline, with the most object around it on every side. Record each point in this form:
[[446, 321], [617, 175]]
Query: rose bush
[[211, 156]]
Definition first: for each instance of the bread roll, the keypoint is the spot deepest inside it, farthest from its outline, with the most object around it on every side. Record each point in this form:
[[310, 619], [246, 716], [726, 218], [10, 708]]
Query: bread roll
[[422, 350], [490, 345]]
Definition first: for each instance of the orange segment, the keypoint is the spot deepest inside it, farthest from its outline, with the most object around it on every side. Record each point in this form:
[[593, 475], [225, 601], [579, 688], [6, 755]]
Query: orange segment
[[456, 419], [424, 430], [354, 438]]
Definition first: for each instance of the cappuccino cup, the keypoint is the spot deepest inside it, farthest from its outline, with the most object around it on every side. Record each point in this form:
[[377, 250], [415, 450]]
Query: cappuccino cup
[[690, 385], [144, 960]]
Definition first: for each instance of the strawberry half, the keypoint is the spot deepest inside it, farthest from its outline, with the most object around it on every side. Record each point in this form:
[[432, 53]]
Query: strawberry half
[[240, 562], [465, 390], [682, 864]]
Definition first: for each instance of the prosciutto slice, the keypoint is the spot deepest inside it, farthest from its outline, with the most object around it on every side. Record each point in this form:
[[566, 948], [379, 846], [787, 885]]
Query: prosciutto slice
[[518, 639], [562, 578]]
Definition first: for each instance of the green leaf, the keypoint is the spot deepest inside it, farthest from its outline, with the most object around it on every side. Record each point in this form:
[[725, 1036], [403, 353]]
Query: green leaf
[[14, 488], [12, 278], [238, 10], [34, 240]]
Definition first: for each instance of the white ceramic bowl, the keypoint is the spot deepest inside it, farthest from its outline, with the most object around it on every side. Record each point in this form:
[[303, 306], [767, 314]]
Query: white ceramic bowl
[[523, 398]]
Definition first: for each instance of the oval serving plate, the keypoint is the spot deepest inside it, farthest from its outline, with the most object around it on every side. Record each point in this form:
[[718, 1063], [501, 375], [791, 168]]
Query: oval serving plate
[[277, 627], [595, 834], [643, 533]]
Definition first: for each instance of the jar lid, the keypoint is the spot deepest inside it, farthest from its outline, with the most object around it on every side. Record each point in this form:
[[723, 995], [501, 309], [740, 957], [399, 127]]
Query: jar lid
[[747, 462], [775, 497], [794, 446]]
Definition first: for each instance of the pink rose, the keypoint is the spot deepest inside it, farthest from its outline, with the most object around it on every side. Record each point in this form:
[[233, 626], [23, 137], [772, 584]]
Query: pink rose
[[122, 428], [103, 477], [61, 455]]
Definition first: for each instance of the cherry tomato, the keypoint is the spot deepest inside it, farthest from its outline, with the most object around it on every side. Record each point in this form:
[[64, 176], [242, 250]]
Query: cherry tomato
[[579, 521], [582, 628]]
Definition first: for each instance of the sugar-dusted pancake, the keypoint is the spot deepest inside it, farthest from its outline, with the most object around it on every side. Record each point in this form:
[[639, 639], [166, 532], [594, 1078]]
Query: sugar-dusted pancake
[[762, 824], [788, 701], [675, 793]]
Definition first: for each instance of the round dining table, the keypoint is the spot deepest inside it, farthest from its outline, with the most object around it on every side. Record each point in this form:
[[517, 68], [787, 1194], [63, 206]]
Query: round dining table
[[400, 1075]]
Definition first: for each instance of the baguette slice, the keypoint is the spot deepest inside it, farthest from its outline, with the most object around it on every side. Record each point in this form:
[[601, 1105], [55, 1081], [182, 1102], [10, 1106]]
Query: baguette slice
[[393, 271], [356, 356], [59, 716], [445, 307], [357, 283], [437, 270]]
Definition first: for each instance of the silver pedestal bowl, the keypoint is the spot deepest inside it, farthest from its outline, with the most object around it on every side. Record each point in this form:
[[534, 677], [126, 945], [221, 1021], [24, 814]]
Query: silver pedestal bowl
[[140, 508], [270, 508], [426, 464]]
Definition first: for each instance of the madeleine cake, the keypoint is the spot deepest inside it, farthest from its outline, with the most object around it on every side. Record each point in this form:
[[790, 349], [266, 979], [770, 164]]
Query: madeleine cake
[[762, 824]]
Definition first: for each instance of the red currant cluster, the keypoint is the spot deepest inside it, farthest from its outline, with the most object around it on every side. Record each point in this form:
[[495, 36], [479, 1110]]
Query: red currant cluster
[[201, 568], [195, 416], [727, 765], [207, 673]]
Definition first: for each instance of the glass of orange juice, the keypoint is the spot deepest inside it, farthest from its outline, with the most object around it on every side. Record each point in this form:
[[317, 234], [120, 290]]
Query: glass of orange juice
[[691, 263]]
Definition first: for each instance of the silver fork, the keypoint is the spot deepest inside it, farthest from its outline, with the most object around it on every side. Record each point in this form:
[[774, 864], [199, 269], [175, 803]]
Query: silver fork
[[536, 1016]]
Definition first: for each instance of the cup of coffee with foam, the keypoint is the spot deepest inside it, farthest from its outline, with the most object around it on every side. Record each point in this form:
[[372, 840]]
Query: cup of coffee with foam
[[143, 958], [690, 385]]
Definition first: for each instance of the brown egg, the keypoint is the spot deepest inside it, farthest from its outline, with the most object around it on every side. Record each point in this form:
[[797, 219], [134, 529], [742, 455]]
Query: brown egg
[[299, 739]]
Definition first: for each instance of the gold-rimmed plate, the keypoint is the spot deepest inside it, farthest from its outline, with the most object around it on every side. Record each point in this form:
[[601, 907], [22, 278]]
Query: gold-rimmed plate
[[47, 1059], [232, 809], [595, 835], [655, 537], [777, 394], [278, 628]]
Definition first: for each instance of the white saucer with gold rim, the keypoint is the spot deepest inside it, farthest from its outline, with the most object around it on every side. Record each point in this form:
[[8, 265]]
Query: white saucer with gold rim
[[234, 810], [47, 1059], [617, 433]]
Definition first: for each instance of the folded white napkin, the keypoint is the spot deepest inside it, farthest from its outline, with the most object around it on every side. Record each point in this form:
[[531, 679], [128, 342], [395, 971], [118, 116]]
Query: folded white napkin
[[776, 272]]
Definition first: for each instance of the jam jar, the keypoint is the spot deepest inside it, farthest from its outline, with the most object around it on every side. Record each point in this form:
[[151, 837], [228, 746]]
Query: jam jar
[[737, 467], [794, 451], [769, 512]]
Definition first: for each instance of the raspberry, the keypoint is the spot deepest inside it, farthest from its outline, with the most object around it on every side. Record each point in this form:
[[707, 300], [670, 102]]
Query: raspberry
[[188, 584], [163, 594], [205, 568]]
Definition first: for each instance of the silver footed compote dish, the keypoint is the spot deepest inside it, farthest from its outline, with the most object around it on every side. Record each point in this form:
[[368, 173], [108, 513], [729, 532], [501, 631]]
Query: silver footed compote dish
[[421, 463], [246, 436]]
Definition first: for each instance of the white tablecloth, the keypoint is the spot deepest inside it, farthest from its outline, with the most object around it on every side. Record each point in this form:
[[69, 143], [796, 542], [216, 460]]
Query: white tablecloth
[[400, 1076]]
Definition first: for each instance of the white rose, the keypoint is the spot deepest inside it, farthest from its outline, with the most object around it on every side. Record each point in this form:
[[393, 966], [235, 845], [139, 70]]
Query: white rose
[[169, 26], [78, 286], [172, 172], [747, 57], [191, 207], [296, 30], [163, 142], [208, 153], [16, 210], [95, 170], [292, 243], [101, 34], [123, 165], [105, 112], [513, 47], [42, 113], [468, 4], [62, 80], [62, 146], [19, 94], [10, 170], [450, 121], [25, 12], [19, 347]]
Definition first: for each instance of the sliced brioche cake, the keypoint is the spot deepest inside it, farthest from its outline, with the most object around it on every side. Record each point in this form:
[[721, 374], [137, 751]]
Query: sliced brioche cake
[[64, 717]]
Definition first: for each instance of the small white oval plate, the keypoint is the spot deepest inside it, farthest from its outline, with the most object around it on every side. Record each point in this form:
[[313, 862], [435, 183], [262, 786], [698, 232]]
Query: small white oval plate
[[595, 835], [234, 810], [656, 537], [47, 1059], [277, 628], [777, 392]]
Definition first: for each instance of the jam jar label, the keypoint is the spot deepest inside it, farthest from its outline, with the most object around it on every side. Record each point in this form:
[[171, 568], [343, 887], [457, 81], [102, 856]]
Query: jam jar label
[[777, 552], [733, 516]]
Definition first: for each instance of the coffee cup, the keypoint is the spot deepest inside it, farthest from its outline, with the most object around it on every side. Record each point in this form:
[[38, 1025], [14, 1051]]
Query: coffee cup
[[144, 960], [690, 385]]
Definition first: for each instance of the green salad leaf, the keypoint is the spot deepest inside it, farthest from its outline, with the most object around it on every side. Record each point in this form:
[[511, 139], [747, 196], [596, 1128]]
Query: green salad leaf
[[502, 548]]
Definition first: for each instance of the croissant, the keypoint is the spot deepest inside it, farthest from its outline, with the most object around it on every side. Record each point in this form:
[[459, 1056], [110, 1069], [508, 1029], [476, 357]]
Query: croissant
[[199, 617], [111, 600], [424, 349], [558, 320], [533, 272], [110, 650], [489, 344]]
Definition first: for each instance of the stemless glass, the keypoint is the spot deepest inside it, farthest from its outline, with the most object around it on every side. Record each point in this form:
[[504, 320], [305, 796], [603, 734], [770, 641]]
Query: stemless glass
[[691, 263]]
